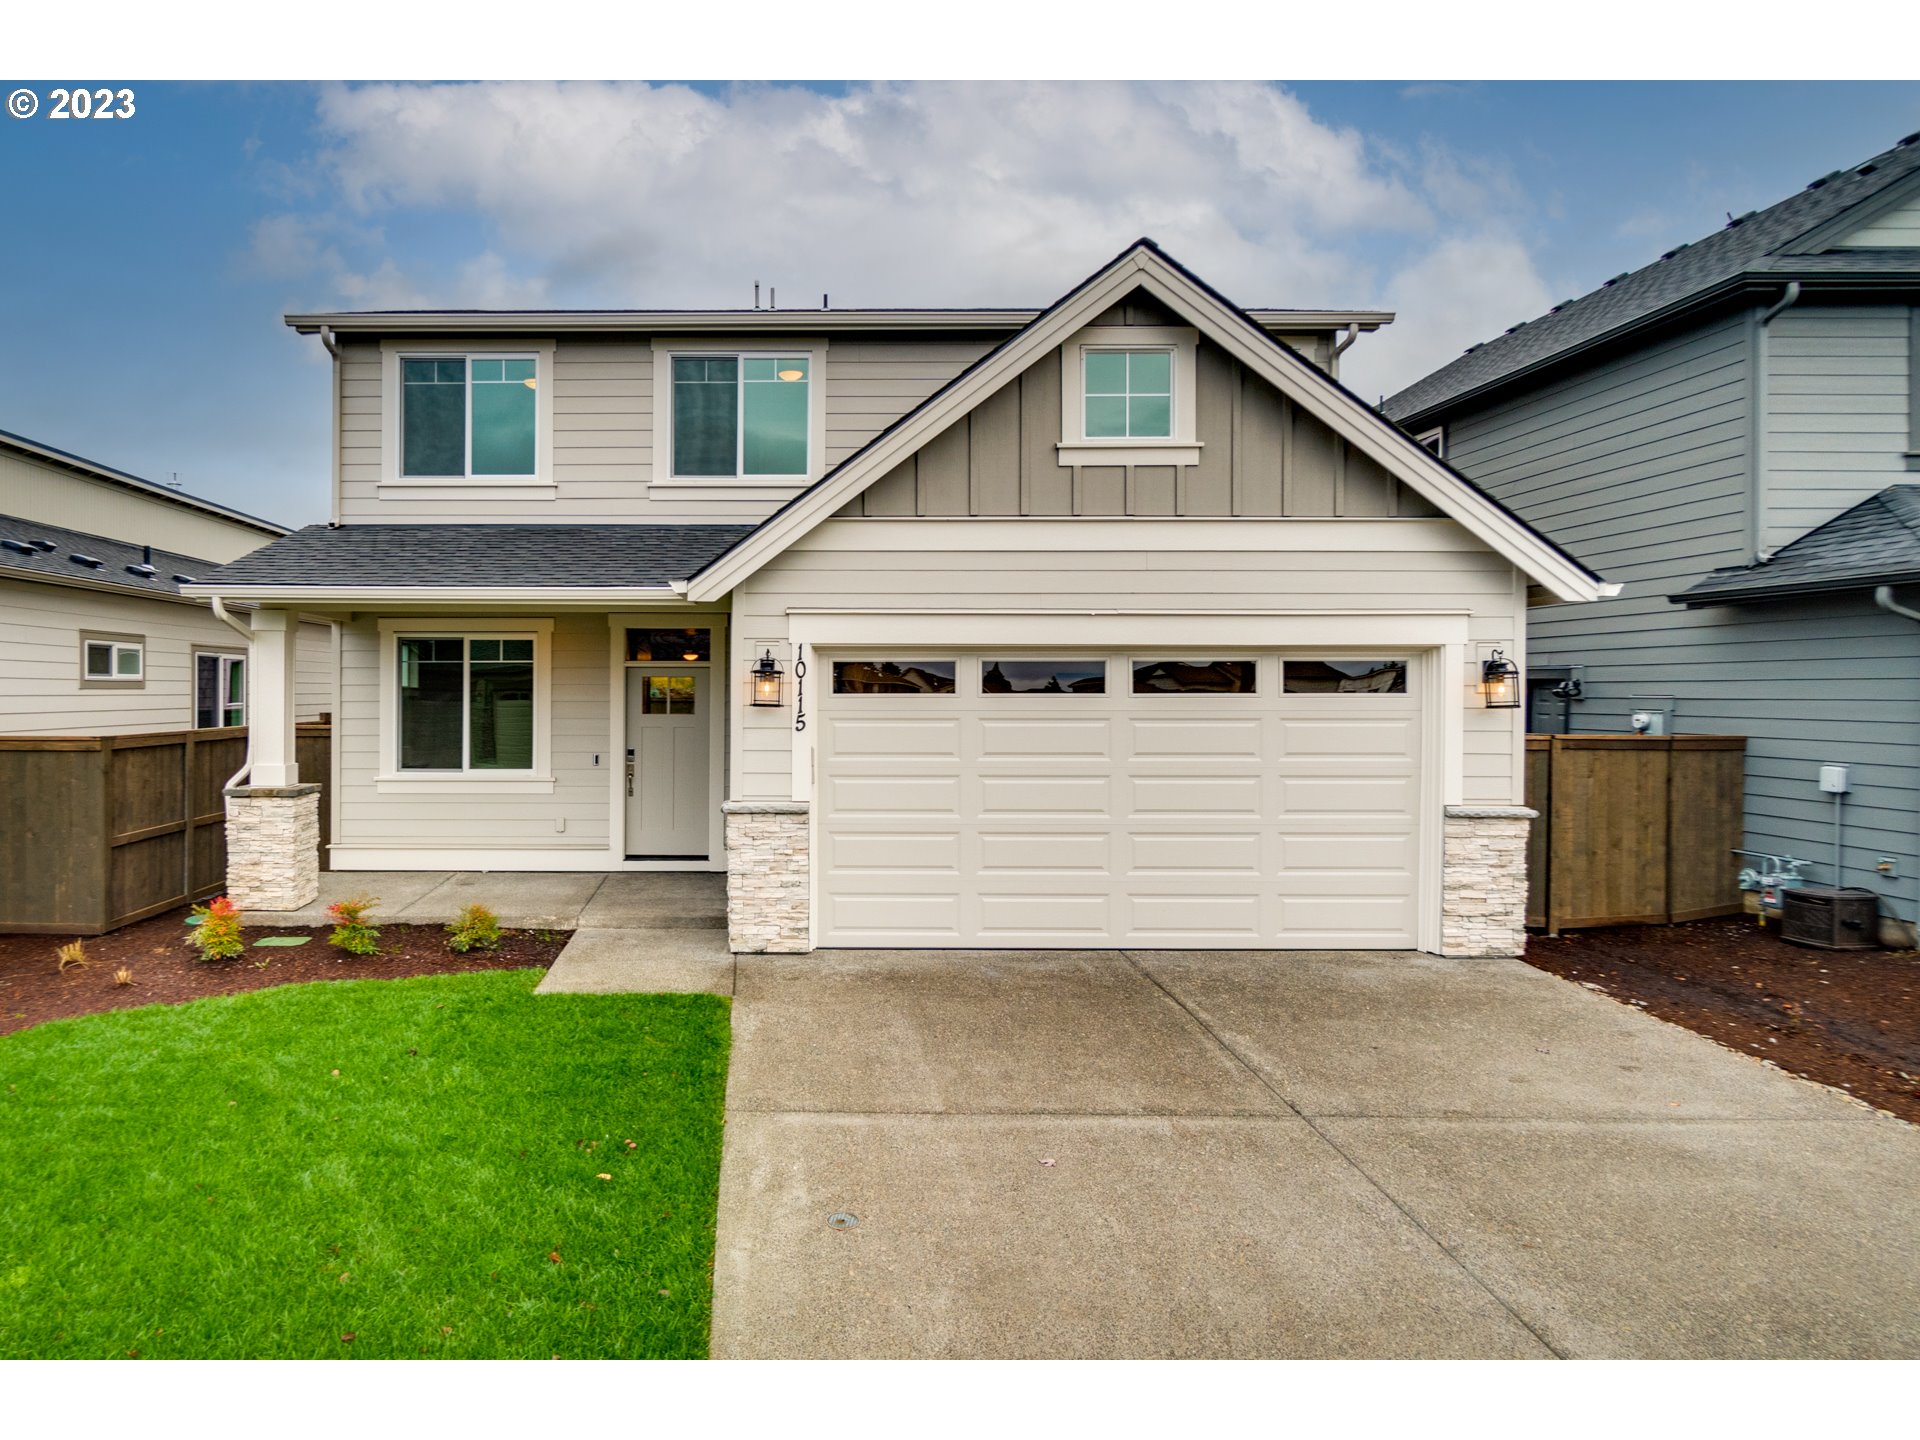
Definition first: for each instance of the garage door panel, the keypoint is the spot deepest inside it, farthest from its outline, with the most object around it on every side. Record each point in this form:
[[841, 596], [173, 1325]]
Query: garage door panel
[[1165, 821], [1205, 852], [1090, 851], [847, 852]]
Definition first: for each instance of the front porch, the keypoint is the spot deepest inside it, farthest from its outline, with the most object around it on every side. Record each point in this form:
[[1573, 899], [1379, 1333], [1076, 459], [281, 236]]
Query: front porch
[[662, 900]]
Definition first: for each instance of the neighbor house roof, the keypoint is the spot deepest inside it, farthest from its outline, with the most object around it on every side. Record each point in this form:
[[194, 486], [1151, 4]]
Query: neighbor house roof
[[323, 561], [34, 550], [1877, 542], [1145, 266], [1779, 243], [39, 451]]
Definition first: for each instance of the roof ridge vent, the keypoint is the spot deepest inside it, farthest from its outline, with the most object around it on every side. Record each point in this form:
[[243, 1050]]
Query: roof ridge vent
[[19, 547], [145, 572], [1676, 249], [1618, 278], [45, 547]]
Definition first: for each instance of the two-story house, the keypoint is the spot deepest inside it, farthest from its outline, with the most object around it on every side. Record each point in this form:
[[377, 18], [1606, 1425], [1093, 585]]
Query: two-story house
[[96, 634], [1733, 432], [1116, 623]]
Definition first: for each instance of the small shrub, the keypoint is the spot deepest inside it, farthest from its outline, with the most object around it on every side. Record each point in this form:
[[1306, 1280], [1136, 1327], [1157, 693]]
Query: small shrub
[[352, 931], [474, 928], [218, 935], [123, 976], [72, 953]]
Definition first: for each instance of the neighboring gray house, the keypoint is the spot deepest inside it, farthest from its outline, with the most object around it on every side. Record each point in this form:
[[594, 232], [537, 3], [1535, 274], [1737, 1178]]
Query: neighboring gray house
[[1732, 432], [96, 637], [1117, 623]]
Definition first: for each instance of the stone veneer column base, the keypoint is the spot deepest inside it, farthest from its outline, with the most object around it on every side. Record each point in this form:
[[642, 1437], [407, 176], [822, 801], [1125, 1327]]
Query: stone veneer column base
[[1483, 880], [768, 877], [273, 846]]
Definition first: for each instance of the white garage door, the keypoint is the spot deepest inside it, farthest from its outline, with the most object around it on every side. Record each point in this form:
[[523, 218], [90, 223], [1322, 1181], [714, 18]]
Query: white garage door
[[1124, 799]]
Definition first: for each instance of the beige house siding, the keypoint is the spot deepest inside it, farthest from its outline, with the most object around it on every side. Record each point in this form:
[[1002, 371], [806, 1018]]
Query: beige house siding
[[1452, 573], [313, 672], [1259, 456], [603, 432], [39, 490], [365, 816]]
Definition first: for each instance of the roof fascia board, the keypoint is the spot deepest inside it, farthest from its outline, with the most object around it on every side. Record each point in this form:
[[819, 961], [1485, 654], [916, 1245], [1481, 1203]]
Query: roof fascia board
[[101, 587], [1295, 376], [82, 466], [594, 595], [1868, 207], [722, 321], [1696, 600]]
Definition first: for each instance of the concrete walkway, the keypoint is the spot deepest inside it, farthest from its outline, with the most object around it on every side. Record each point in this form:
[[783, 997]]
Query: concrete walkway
[[632, 932], [1158, 1154]]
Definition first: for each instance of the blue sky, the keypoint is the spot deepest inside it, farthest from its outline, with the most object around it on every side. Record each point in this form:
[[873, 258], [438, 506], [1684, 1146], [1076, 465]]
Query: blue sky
[[148, 261]]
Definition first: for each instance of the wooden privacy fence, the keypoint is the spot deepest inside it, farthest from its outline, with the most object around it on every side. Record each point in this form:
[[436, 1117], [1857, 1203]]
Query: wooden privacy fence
[[1633, 829], [97, 831]]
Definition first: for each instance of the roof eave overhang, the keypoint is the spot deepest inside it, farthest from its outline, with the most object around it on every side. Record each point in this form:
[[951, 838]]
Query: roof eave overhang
[[734, 321], [1236, 333], [1748, 283], [584, 596], [101, 587], [1698, 599]]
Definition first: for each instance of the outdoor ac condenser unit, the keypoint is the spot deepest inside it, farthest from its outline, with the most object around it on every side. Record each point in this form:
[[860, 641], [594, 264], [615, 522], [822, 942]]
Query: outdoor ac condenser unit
[[1830, 919]]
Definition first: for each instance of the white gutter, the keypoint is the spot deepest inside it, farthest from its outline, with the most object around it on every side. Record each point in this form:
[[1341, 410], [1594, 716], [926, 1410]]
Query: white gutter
[[1790, 296], [246, 760], [582, 595]]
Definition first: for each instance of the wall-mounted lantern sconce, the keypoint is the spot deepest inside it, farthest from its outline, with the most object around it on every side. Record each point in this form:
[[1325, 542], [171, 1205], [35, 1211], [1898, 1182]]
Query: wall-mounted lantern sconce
[[1500, 682], [769, 681]]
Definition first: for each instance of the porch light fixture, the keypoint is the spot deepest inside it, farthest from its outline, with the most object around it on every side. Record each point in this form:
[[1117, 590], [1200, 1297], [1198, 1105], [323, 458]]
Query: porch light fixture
[[1500, 682], [768, 680]]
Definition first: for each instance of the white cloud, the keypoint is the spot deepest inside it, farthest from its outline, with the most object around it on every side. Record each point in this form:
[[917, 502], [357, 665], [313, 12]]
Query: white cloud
[[633, 194]]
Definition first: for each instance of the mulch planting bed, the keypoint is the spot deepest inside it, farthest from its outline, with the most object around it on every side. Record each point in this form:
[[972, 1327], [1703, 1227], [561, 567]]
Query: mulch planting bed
[[1847, 1018], [167, 970]]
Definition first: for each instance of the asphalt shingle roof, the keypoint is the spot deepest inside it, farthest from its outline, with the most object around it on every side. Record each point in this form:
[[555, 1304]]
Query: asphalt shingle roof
[[1755, 242], [1877, 542], [483, 557], [115, 556]]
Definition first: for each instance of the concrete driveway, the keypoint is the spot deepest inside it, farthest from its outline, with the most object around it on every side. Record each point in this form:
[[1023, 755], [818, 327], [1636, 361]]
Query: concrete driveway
[[1154, 1154]]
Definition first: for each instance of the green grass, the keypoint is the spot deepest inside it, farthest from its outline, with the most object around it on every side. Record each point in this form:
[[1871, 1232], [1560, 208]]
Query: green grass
[[194, 1180]]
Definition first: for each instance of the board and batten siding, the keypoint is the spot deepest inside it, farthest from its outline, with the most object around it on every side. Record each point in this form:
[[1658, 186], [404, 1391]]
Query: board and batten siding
[[1642, 467], [573, 817], [1068, 580], [40, 627], [604, 428], [1837, 412], [1258, 456]]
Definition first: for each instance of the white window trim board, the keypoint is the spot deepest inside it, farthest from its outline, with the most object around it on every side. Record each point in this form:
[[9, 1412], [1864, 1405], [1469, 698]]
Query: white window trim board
[[453, 487], [118, 641], [814, 348], [1180, 448], [223, 652], [391, 779]]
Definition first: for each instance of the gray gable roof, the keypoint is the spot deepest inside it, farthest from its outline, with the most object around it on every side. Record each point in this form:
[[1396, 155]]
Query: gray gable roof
[[1877, 542], [22, 558], [482, 557], [1761, 242]]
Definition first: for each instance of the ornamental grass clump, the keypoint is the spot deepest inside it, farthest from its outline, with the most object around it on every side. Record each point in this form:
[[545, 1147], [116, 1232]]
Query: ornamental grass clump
[[474, 928], [218, 937], [352, 932], [71, 954]]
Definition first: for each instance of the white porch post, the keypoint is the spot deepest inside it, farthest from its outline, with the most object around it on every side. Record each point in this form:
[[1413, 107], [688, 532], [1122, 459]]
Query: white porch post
[[273, 821], [270, 698]]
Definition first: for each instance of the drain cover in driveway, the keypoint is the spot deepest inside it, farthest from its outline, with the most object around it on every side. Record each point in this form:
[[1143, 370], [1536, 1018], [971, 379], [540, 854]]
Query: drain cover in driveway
[[841, 1220]]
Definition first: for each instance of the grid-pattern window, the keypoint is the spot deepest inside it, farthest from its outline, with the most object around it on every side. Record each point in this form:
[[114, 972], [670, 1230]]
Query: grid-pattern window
[[741, 415], [466, 702], [468, 416], [1129, 394]]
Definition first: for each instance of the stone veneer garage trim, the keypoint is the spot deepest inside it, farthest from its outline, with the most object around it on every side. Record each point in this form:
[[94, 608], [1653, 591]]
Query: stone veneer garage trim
[[273, 846], [769, 877], [1483, 880]]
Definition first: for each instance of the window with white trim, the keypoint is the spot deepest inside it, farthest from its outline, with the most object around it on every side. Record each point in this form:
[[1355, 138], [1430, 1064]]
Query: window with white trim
[[741, 415], [112, 660], [469, 416], [1127, 396], [219, 689], [465, 703]]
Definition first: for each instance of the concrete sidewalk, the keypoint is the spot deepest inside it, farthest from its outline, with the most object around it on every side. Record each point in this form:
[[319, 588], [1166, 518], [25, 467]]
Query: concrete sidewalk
[[1156, 1154]]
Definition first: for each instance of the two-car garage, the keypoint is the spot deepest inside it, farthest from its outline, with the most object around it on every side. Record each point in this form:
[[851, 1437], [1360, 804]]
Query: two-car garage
[[974, 799]]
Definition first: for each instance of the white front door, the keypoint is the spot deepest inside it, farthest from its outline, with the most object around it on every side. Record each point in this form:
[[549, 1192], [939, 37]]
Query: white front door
[[669, 803]]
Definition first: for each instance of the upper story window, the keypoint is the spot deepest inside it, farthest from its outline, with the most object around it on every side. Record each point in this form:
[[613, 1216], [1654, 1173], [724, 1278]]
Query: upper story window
[[1127, 396], [469, 415], [1129, 393], [740, 415]]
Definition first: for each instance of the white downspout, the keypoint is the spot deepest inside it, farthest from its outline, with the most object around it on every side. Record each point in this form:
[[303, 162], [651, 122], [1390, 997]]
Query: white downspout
[[1883, 597], [1333, 356], [333, 349], [246, 761]]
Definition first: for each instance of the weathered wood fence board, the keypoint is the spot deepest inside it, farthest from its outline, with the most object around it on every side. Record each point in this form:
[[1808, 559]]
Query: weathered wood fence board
[[1633, 829], [97, 831]]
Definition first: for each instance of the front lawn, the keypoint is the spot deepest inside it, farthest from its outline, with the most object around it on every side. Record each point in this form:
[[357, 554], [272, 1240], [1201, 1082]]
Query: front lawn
[[399, 1168]]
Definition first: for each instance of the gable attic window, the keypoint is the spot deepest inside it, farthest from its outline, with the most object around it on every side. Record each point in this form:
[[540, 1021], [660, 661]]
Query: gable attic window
[[1127, 396]]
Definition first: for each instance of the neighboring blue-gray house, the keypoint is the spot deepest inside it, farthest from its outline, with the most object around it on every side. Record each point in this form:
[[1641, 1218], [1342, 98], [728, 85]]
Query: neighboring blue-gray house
[[1734, 432]]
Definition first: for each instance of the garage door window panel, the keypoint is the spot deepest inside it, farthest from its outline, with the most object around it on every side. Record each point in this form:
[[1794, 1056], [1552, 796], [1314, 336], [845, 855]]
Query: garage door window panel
[[1043, 677], [1344, 677], [1194, 677], [894, 677]]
